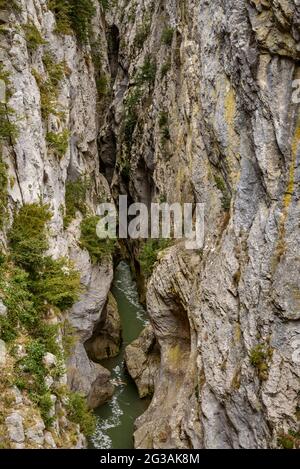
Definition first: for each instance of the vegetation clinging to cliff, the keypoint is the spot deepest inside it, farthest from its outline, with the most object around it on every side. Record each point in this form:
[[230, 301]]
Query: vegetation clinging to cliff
[[97, 248], [27, 237], [75, 199], [32, 284], [3, 190], [74, 15], [33, 37], [79, 413], [149, 254], [58, 142], [167, 36]]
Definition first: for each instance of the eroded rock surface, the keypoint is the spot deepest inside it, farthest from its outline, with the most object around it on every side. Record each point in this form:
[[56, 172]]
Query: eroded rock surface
[[142, 358], [102, 389], [107, 337], [53, 100], [217, 123]]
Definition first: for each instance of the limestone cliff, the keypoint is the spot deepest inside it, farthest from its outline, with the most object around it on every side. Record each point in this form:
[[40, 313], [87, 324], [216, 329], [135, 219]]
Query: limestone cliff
[[49, 155], [205, 89]]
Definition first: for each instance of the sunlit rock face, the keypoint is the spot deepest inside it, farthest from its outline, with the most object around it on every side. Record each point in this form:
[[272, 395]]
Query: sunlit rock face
[[227, 318], [53, 94]]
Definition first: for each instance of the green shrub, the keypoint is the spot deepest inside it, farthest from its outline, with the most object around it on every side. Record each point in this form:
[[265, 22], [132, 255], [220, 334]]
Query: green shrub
[[164, 126], [49, 95], [33, 37], [165, 68], [259, 357], [8, 130], [45, 404], [75, 198], [79, 413], [3, 191], [49, 87], [142, 34], [81, 14], [9, 5], [131, 114], [73, 15], [28, 236], [226, 199], [15, 293], [290, 440], [47, 334], [33, 361], [97, 248], [102, 84], [165, 134], [147, 72], [163, 119], [167, 36], [149, 252], [58, 142], [32, 371], [58, 284], [31, 376], [55, 70], [125, 169], [105, 4], [62, 11], [69, 338]]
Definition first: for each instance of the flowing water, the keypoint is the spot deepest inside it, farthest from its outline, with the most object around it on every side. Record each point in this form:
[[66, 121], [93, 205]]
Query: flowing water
[[115, 420]]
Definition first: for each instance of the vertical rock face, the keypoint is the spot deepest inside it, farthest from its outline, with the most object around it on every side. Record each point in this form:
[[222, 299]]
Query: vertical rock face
[[206, 111], [142, 359], [107, 337], [52, 99]]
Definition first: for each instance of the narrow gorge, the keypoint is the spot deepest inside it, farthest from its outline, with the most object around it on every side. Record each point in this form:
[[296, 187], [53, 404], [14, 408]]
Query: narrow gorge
[[143, 343]]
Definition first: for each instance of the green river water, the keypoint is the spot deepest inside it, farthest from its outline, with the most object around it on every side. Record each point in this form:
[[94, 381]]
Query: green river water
[[115, 420]]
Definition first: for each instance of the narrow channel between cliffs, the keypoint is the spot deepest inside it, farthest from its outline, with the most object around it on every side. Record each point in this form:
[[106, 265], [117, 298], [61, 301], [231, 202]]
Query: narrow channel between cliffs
[[115, 419]]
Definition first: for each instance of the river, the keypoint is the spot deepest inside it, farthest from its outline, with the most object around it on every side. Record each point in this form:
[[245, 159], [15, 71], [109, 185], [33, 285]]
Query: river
[[115, 419]]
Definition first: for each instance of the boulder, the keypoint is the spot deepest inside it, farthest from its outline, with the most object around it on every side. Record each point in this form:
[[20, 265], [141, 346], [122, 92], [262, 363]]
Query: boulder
[[78, 362], [102, 389], [107, 338], [2, 353], [14, 424], [3, 309], [49, 441], [17, 395], [142, 360], [49, 360], [84, 318], [35, 434]]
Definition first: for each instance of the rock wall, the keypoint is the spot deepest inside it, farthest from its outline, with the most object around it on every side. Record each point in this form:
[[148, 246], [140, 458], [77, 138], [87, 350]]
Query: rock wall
[[54, 102], [211, 84]]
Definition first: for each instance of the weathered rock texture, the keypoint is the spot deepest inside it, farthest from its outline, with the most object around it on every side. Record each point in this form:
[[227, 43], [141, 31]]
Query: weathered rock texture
[[107, 336], [230, 139], [142, 359], [102, 389]]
